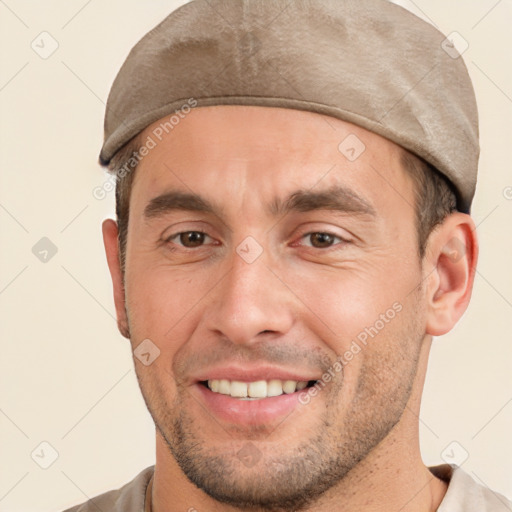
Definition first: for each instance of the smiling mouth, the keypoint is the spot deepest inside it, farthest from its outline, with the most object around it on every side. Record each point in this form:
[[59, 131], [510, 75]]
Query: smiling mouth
[[256, 390]]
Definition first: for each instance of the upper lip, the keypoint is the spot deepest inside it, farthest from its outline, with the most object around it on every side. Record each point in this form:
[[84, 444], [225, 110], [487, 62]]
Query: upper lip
[[253, 374]]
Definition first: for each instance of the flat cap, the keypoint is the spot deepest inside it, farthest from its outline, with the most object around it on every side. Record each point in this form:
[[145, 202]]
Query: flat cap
[[368, 62]]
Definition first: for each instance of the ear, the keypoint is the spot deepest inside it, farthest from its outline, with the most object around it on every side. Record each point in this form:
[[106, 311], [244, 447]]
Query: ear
[[451, 257], [110, 240]]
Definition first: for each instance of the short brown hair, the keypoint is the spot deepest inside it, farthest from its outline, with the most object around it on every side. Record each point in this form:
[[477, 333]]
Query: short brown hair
[[124, 173], [435, 198]]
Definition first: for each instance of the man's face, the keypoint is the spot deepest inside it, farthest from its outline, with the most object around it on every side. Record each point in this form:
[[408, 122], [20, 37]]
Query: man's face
[[257, 251]]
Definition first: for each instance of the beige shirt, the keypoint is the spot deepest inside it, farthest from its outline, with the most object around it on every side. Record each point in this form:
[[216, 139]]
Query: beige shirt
[[464, 495]]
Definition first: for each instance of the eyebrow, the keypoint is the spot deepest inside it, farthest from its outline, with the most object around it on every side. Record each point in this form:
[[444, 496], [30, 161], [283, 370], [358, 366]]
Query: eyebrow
[[176, 200], [335, 198]]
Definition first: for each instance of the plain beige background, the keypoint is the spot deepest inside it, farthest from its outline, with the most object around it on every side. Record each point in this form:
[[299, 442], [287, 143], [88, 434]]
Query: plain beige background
[[66, 374]]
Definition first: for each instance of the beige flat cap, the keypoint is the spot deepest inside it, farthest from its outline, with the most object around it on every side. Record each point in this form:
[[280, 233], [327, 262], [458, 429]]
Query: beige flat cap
[[368, 62]]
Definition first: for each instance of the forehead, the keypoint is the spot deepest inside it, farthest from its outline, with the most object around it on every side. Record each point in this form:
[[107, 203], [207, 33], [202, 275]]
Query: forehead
[[268, 151]]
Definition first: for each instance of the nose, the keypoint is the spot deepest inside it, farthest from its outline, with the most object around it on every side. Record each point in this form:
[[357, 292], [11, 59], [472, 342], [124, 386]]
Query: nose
[[250, 301]]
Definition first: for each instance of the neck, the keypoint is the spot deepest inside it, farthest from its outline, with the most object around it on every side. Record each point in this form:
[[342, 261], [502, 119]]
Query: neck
[[391, 477]]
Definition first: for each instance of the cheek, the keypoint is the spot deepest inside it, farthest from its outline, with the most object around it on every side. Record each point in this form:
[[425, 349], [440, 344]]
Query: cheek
[[345, 301], [161, 308], [161, 304], [364, 314]]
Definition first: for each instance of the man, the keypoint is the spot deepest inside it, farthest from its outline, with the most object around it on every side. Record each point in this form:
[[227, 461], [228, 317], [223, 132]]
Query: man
[[294, 187]]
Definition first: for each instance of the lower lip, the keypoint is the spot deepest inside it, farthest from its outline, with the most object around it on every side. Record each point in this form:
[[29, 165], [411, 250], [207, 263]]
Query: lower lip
[[248, 412]]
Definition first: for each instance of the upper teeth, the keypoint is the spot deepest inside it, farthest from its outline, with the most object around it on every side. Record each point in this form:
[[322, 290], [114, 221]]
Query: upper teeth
[[257, 389]]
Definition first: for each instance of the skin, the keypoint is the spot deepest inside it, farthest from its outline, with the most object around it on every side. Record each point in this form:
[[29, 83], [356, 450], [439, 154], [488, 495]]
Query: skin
[[355, 445]]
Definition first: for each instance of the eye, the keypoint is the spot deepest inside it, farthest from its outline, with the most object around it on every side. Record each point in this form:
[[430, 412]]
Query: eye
[[189, 239], [321, 240]]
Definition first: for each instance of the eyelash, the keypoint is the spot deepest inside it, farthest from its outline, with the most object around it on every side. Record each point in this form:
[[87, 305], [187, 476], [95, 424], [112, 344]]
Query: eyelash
[[342, 241], [176, 235]]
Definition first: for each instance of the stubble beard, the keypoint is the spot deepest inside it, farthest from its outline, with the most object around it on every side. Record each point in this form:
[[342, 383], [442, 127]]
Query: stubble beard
[[295, 478]]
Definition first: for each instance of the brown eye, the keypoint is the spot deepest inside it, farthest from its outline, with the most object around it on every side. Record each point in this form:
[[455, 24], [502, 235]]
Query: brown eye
[[192, 238], [321, 240]]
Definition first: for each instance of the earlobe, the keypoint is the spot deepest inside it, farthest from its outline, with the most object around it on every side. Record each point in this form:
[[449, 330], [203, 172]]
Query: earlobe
[[452, 255], [110, 241]]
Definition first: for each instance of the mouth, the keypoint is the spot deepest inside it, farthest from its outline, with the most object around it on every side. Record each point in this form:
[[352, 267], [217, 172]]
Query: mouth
[[251, 403], [255, 390]]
